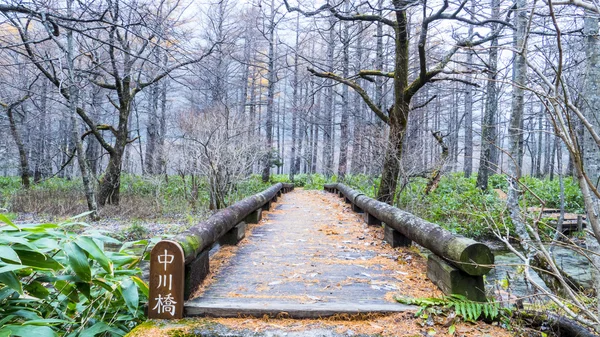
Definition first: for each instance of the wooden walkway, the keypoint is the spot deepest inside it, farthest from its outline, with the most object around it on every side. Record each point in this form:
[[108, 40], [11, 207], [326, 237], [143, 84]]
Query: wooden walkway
[[313, 257]]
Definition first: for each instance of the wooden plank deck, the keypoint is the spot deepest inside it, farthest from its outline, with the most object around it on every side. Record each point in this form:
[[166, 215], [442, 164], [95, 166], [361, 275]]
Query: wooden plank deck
[[313, 257]]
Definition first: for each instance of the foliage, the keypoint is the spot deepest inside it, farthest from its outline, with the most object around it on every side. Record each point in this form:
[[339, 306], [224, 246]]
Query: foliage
[[456, 205], [365, 183], [549, 191], [56, 283], [460, 207], [307, 181], [462, 307]]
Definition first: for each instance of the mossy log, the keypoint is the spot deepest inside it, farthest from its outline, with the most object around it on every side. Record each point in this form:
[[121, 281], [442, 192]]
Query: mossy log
[[470, 256], [203, 235]]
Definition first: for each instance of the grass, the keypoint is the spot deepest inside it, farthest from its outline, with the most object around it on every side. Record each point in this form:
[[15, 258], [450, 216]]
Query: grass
[[456, 204], [142, 197], [460, 207]]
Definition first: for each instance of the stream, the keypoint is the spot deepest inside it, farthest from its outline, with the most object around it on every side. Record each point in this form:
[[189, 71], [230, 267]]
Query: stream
[[507, 268]]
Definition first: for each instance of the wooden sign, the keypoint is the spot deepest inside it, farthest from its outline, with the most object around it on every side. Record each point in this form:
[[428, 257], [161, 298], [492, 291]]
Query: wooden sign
[[167, 269]]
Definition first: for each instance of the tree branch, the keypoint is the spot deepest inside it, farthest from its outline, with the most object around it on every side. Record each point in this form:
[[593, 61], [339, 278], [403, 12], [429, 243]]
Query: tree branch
[[334, 11], [356, 88]]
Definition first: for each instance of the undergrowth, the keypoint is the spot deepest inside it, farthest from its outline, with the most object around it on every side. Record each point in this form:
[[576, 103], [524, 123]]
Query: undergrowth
[[457, 307], [54, 282], [460, 207]]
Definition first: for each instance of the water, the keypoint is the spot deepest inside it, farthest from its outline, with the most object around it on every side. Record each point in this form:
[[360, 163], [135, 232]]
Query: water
[[509, 268]]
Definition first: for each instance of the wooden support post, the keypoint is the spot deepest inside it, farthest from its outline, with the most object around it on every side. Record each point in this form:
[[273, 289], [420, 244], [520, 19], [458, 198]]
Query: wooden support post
[[279, 193], [371, 220], [254, 217], [235, 235], [266, 206], [451, 280], [166, 281], [395, 238], [195, 273], [341, 195], [356, 208], [579, 223]]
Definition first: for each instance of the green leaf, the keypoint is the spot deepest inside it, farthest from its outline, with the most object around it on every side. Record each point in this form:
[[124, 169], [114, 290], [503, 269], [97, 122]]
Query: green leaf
[[12, 240], [46, 244], [71, 278], [130, 294], [452, 329], [68, 290], [7, 221], [47, 321], [6, 293], [84, 214], [12, 281], [11, 267], [38, 260], [99, 328], [28, 314], [84, 288], [6, 319], [8, 253], [88, 244], [142, 285], [30, 330], [36, 289], [78, 261], [38, 228], [104, 284]]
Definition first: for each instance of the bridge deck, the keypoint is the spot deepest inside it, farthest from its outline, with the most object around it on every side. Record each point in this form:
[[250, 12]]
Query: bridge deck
[[313, 257]]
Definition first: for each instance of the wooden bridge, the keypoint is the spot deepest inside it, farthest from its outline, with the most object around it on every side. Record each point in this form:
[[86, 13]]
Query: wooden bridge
[[311, 258]]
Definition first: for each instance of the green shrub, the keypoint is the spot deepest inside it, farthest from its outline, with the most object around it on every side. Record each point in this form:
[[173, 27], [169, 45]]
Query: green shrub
[[365, 183], [498, 181], [54, 282], [549, 191], [456, 205]]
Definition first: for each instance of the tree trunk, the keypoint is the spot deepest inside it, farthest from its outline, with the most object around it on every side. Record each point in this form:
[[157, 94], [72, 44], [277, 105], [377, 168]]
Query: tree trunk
[[344, 137], [398, 117], [514, 129], [591, 150], [315, 144], [73, 94], [468, 159], [489, 135], [359, 126], [295, 102], [266, 172], [23, 160], [329, 106]]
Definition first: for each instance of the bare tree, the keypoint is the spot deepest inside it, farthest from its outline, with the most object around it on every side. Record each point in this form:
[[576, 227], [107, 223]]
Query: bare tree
[[404, 90], [115, 44]]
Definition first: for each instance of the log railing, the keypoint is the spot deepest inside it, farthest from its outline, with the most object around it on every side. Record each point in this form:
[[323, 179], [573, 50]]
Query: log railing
[[456, 264], [178, 266]]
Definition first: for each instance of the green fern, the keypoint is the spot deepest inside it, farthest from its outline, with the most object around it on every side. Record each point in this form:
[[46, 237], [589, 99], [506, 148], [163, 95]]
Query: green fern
[[467, 309]]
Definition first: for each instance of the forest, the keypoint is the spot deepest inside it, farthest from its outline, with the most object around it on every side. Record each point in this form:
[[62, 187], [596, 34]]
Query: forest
[[143, 117]]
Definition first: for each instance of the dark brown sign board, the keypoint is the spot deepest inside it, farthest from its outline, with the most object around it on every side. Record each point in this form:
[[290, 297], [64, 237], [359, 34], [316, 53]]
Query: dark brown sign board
[[166, 281]]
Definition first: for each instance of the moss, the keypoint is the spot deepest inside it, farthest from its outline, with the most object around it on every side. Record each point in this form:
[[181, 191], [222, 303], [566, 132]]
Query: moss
[[176, 328], [190, 245]]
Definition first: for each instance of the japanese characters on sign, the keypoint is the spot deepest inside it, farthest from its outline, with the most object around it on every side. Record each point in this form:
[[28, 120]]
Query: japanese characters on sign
[[166, 281]]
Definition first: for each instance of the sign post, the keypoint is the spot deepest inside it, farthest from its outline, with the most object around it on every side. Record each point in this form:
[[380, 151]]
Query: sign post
[[166, 281]]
